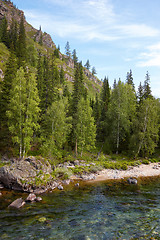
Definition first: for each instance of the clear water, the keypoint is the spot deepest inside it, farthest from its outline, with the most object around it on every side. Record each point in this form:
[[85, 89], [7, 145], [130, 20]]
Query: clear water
[[108, 210]]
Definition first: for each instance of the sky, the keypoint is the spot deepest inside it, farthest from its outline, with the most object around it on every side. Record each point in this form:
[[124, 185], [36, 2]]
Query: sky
[[115, 35]]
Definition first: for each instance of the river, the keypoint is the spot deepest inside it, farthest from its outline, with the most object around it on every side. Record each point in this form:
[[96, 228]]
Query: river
[[105, 210]]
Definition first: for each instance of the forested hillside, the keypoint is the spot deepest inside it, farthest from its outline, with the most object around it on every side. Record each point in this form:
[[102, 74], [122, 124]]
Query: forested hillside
[[51, 105]]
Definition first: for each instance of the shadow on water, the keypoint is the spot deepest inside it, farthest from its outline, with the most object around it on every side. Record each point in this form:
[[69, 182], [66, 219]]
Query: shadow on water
[[106, 210]]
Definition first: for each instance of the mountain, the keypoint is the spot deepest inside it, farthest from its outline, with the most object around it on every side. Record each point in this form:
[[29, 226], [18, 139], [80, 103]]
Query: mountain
[[41, 41]]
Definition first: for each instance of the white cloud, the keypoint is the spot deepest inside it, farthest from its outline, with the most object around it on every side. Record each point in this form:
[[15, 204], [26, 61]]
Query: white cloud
[[87, 20], [150, 58]]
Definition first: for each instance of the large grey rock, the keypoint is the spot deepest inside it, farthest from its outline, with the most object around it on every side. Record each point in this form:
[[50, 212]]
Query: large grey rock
[[22, 175]]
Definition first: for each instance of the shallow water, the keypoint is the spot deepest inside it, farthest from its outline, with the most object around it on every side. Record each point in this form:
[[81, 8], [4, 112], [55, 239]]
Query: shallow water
[[108, 210]]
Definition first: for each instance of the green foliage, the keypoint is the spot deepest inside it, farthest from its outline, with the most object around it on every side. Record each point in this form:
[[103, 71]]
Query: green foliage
[[85, 130], [63, 173], [23, 110]]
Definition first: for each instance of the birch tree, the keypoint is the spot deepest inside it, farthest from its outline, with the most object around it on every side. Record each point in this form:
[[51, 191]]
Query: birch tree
[[120, 113], [85, 129], [23, 110], [146, 129]]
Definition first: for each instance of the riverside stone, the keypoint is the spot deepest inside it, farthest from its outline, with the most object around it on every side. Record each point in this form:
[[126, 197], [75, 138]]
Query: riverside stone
[[18, 203], [132, 180], [31, 197], [21, 175]]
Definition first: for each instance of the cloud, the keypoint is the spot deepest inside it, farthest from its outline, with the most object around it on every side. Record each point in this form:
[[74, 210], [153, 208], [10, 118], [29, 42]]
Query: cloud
[[87, 20], [150, 58]]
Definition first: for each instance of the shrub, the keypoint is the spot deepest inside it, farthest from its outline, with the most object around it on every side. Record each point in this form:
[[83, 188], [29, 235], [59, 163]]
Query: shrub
[[145, 161], [62, 173]]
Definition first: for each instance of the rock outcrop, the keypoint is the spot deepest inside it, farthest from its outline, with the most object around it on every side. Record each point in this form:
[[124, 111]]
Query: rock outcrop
[[28, 175]]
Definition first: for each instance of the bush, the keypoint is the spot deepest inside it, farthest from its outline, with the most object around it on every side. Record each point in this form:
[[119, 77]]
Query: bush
[[145, 161], [95, 169], [62, 173]]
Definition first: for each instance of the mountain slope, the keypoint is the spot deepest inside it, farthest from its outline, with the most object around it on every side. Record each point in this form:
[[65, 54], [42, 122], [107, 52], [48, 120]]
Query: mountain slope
[[39, 41]]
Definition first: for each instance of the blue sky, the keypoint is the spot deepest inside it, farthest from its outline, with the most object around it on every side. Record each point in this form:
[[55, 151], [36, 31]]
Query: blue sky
[[115, 35]]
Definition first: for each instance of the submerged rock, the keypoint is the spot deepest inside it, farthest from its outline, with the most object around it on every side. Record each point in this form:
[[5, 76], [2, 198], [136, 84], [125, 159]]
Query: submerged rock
[[18, 203], [0, 194], [132, 180]]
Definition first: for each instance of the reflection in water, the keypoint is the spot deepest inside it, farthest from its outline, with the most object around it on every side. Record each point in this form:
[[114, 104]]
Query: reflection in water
[[108, 210]]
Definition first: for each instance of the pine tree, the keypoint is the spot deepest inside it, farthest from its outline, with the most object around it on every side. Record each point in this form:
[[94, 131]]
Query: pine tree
[[21, 49], [5, 97], [87, 65], [4, 32], [75, 58], [13, 35], [23, 110], [67, 50], [140, 93], [129, 79], [61, 75], [146, 88], [94, 71]]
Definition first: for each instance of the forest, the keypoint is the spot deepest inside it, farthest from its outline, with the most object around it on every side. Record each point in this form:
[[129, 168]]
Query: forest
[[40, 115]]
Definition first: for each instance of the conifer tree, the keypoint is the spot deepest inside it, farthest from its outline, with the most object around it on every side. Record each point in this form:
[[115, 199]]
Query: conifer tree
[[87, 65], [129, 79], [140, 93], [75, 58], [4, 32], [146, 88], [5, 96], [21, 49], [61, 75], [68, 50]]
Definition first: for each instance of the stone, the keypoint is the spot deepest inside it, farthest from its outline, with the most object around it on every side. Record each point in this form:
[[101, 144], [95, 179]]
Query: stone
[[66, 182], [31, 197], [88, 177], [132, 180], [77, 185], [60, 187], [1, 186], [20, 175], [18, 203], [76, 162], [38, 199], [0, 194]]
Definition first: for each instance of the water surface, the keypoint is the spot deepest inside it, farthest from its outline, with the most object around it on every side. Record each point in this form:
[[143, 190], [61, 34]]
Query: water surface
[[108, 210]]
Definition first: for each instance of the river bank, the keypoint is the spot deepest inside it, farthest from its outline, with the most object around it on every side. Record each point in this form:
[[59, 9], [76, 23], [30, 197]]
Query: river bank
[[150, 170]]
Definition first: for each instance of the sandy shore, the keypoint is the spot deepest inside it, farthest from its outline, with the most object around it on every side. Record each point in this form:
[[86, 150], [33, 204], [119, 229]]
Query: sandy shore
[[151, 170]]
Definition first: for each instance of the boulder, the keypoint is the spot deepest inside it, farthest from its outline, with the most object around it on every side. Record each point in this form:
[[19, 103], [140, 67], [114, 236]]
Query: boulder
[[31, 197], [22, 175], [60, 187], [38, 199], [1, 186], [0, 194], [132, 180], [18, 203]]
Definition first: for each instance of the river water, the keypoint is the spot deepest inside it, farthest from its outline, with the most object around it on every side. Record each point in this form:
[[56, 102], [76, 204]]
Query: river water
[[106, 210]]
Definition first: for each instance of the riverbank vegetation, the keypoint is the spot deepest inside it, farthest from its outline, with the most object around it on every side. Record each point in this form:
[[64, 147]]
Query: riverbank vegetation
[[41, 114]]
